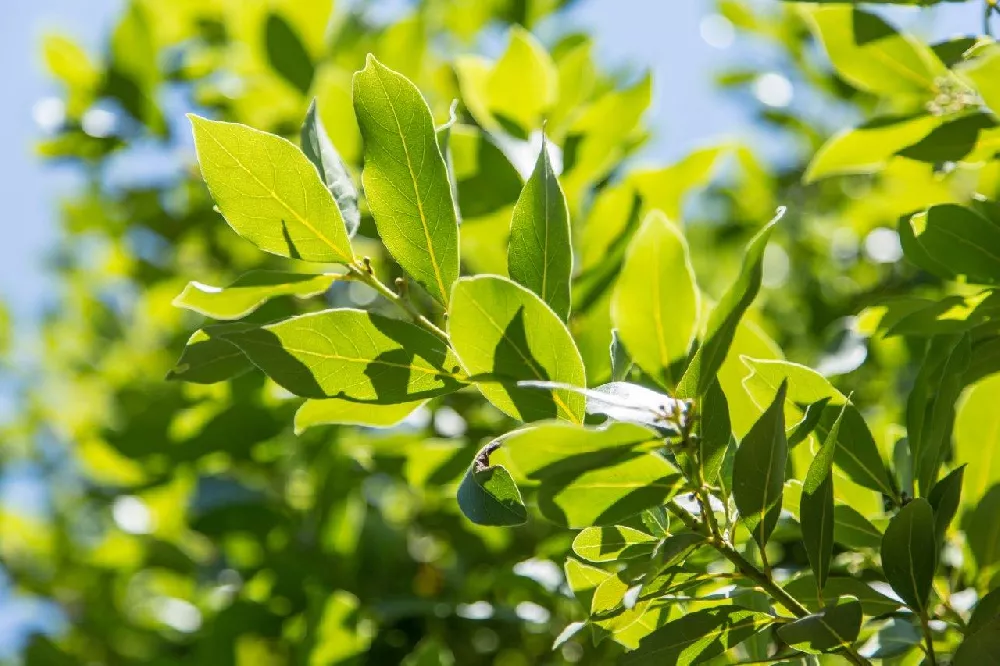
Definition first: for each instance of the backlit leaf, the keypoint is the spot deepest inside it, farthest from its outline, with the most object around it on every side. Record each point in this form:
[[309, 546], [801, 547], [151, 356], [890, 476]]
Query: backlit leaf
[[834, 627], [977, 438], [209, 358], [249, 292], [334, 411], [909, 553], [614, 542], [697, 636], [488, 494]]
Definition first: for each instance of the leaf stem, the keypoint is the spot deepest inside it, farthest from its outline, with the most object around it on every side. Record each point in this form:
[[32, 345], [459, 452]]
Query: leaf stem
[[364, 274], [925, 625], [747, 569]]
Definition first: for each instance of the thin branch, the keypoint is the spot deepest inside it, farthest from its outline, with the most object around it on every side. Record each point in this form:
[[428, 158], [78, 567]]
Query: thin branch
[[364, 273]]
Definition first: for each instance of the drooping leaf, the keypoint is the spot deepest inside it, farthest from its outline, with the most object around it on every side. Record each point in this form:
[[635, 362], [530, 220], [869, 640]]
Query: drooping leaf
[[209, 358], [405, 178], [507, 334], [726, 317], [945, 497], [270, 193], [614, 542], [873, 603], [335, 411], [697, 636], [759, 471], [977, 438], [540, 255], [249, 292], [321, 152], [353, 355], [868, 148], [488, 494], [955, 240], [909, 553], [655, 302], [856, 455], [869, 54], [834, 627], [816, 508]]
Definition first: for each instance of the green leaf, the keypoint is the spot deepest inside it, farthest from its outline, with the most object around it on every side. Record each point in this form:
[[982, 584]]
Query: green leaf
[[949, 316], [609, 494], [209, 358], [270, 193], [868, 148], [697, 636], [319, 149], [488, 494], [540, 255], [856, 455], [487, 182], [909, 553], [353, 355], [675, 549], [987, 610], [759, 472], [981, 532], [287, 54], [614, 542], [249, 292], [945, 497], [983, 72], [334, 411], [853, 530], [583, 580], [405, 178], [895, 638], [816, 508], [977, 438], [655, 303], [340, 634], [834, 627], [873, 603], [716, 432], [726, 316], [870, 55], [980, 648], [953, 140], [954, 240], [503, 330], [609, 595]]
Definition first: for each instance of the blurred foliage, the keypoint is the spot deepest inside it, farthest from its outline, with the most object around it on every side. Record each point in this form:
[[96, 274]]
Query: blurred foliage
[[189, 523]]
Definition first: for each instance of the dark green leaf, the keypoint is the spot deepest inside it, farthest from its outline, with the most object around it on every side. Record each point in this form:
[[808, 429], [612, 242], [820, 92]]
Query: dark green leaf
[[897, 637], [759, 473], [352, 354], [954, 240], [853, 530], [945, 497], [816, 508], [834, 627], [987, 610], [873, 603], [981, 532], [980, 648], [697, 636], [319, 149], [952, 141], [488, 494], [539, 255], [208, 358], [726, 317], [287, 54], [405, 178], [909, 553]]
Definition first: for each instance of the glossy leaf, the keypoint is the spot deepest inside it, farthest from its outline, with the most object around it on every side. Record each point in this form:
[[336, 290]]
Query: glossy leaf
[[697, 636], [270, 193], [856, 455], [726, 316], [249, 292], [335, 411], [507, 334], [656, 301], [909, 553], [615, 542], [759, 472], [488, 494], [319, 149], [869, 54], [353, 355], [834, 627], [540, 256], [405, 178], [816, 508]]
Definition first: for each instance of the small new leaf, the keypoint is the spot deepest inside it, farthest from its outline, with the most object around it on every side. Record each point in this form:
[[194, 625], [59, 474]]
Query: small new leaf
[[319, 149]]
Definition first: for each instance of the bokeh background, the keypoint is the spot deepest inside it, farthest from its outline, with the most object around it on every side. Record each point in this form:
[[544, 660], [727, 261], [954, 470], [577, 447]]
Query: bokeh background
[[685, 44]]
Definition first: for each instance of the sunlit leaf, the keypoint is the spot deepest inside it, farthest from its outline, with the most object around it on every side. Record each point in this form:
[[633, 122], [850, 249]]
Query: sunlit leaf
[[249, 292]]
